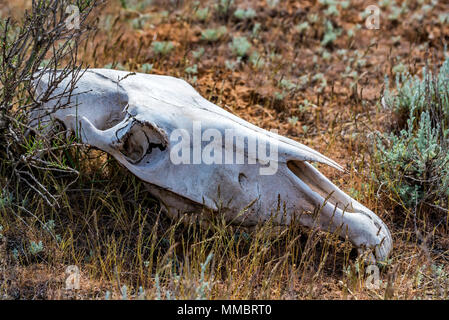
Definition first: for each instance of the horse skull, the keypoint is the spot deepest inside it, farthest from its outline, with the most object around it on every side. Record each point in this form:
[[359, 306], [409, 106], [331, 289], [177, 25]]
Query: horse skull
[[193, 154]]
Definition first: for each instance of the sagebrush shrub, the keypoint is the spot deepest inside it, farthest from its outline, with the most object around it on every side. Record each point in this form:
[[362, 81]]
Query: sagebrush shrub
[[414, 157]]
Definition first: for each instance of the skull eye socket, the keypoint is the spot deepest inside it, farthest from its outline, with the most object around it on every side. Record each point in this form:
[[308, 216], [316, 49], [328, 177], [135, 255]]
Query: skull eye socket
[[141, 140], [134, 146]]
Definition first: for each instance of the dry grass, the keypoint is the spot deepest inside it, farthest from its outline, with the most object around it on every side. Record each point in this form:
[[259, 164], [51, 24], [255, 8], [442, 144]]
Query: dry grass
[[108, 226]]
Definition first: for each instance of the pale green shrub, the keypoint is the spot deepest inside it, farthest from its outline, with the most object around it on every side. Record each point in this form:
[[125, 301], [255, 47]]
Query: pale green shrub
[[414, 157]]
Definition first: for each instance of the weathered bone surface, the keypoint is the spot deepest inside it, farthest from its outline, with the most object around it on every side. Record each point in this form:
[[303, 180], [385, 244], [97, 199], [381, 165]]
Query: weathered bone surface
[[133, 116]]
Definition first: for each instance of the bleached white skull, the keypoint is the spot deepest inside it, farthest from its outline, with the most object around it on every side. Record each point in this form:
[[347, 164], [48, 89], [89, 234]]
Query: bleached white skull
[[192, 154]]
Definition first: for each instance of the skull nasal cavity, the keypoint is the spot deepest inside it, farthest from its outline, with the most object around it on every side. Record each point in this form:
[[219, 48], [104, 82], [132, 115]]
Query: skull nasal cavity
[[319, 185]]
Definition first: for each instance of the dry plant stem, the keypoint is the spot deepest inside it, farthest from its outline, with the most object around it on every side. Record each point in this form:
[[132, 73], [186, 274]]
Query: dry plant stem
[[41, 45]]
